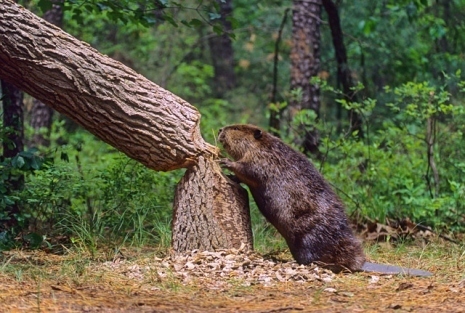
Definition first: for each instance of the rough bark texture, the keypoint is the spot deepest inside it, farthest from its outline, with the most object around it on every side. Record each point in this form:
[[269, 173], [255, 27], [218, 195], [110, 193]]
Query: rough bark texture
[[275, 114], [305, 53], [222, 52], [41, 114], [305, 63], [210, 211], [343, 71], [13, 119], [41, 117], [110, 100]]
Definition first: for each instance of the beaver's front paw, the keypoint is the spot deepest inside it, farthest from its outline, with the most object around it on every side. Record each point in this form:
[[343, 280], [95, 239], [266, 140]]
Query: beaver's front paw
[[226, 163]]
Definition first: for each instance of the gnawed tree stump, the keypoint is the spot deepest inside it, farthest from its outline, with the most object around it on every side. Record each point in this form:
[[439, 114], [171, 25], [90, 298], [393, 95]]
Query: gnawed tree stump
[[210, 211], [131, 113]]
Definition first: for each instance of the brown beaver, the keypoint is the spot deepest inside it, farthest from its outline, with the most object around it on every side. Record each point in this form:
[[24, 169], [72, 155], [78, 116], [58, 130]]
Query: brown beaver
[[297, 200]]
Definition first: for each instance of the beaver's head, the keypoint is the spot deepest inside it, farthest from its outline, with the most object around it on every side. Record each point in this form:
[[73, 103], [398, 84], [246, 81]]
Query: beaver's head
[[239, 140]]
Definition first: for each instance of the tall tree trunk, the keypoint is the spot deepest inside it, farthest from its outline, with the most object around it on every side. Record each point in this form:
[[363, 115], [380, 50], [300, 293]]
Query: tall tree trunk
[[41, 118], [445, 7], [126, 110], [222, 52], [305, 63], [343, 72], [276, 111], [12, 99], [41, 114]]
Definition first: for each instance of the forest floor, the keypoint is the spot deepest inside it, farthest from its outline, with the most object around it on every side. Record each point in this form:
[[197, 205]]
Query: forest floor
[[227, 281]]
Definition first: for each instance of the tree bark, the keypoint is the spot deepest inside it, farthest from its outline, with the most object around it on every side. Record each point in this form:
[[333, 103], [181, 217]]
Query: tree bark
[[132, 114], [222, 53], [305, 63], [208, 208], [41, 114], [276, 111], [13, 119], [343, 71], [124, 109], [12, 100]]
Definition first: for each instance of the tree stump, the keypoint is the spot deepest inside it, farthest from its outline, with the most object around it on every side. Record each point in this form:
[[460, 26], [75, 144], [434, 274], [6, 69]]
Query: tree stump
[[210, 211]]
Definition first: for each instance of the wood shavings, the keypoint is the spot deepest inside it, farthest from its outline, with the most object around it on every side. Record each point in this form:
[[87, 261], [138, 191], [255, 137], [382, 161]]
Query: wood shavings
[[217, 269]]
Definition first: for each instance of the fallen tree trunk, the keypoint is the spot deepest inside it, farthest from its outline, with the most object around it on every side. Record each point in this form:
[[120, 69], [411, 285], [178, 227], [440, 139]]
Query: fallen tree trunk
[[121, 107], [136, 116]]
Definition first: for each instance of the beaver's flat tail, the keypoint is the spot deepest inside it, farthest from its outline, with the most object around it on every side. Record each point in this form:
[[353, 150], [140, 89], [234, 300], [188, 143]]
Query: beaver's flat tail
[[393, 270]]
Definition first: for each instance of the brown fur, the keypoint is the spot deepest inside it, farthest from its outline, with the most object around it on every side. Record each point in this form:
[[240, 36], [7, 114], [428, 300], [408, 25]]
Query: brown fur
[[293, 196]]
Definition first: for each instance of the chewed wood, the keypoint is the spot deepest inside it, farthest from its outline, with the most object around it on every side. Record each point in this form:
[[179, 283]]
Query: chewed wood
[[210, 211]]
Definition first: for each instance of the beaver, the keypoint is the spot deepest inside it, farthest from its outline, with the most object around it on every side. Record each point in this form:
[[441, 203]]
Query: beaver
[[295, 198]]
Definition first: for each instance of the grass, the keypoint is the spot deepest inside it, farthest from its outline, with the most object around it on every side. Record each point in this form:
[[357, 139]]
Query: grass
[[79, 268]]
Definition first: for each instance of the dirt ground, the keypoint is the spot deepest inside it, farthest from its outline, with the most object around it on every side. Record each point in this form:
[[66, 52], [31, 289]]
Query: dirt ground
[[39, 282]]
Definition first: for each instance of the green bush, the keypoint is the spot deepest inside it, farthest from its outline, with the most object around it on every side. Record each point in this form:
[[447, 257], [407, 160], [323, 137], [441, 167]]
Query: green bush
[[96, 195], [389, 172]]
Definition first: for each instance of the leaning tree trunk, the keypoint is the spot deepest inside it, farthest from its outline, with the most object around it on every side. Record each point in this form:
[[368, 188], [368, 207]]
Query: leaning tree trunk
[[305, 63], [126, 110]]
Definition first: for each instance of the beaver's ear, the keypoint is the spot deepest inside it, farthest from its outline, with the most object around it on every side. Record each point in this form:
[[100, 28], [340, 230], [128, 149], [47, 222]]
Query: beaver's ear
[[257, 134]]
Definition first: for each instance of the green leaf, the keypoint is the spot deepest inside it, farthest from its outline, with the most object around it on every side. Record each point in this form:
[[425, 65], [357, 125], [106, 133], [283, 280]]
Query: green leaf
[[35, 240], [89, 8], [170, 20], [196, 23], [102, 7], [45, 5], [218, 29], [214, 16], [32, 150], [18, 161], [64, 157], [8, 200], [36, 162]]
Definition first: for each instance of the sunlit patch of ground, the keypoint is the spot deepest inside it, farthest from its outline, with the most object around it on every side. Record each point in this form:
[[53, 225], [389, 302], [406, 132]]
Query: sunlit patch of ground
[[139, 281]]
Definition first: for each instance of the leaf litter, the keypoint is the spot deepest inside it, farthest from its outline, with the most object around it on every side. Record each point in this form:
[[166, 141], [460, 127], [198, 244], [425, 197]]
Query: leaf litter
[[223, 268], [220, 281]]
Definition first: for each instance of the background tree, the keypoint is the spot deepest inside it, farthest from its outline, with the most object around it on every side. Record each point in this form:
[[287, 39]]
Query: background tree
[[12, 142], [344, 76], [41, 114], [222, 52], [305, 64]]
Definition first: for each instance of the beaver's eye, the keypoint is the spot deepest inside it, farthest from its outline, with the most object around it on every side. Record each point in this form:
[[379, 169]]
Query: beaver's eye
[[236, 128], [257, 134]]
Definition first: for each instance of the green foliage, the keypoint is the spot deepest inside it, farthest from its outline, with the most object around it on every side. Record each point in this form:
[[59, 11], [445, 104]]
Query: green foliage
[[12, 170], [144, 13], [395, 42], [196, 76], [96, 196], [89, 193], [388, 173]]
